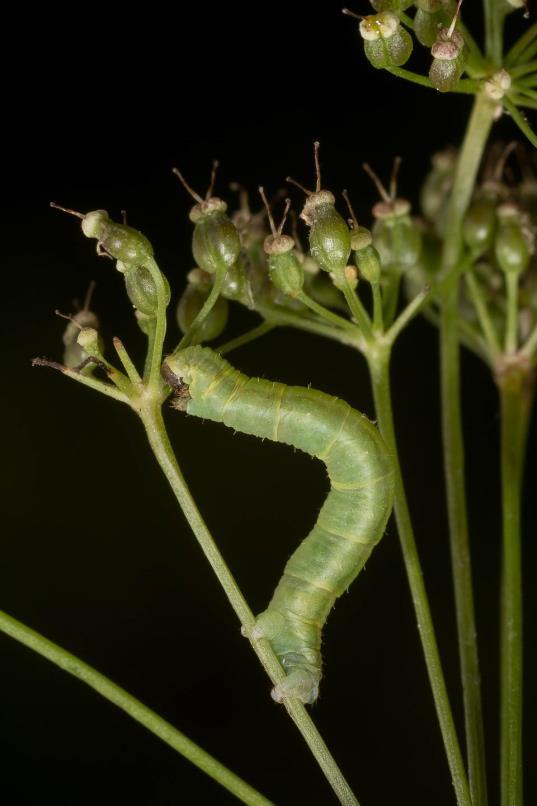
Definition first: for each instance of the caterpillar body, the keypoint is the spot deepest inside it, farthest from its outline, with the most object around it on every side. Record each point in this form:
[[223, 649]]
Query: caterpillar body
[[351, 521]]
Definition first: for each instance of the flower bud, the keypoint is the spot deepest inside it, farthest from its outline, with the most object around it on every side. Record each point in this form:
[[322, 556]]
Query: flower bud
[[191, 303], [75, 353], [449, 59], [497, 85], [386, 42]]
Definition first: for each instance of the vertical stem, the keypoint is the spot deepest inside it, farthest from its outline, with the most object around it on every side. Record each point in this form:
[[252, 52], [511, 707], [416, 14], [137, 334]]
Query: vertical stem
[[379, 367], [467, 167], [158, 439], [494, 19], [515, 399], [511, 330]]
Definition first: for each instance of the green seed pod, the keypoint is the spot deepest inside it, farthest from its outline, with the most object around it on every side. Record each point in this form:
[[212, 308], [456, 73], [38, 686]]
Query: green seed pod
[[515, 240], [449, 54], [479, 224], [386, 42], [191, 304], [144, 322], [74, 355], [437, 186], [140, 285], [286, 271], [427, 22], [216, 242], [329, 235], [323, 290], [366, 256], [391, 5], [117, 240], [395, 234]]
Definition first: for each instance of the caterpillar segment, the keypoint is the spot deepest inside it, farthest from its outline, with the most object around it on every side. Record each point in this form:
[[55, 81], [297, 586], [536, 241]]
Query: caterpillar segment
[[353, 517]]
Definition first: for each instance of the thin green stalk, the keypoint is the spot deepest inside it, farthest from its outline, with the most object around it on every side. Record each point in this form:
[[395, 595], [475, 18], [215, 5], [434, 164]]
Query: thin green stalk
[[378, 318], [163, 452], [523, 99], [466, 172], [520, 121], [126, 360], [515, 399], [466, 86], [523, 69], [482, 312], [325, 313], [406, 315], [281, 316], [357, 309], [206, 308], [494, 19], [133, 707], [526, 81], [246, 338], [156, 343], [511, 329], [98, 386], [521, 44], [379, 367]]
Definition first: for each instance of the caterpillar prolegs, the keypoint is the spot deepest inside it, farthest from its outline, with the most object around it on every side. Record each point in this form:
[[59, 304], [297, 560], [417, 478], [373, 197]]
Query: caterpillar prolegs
[[351, 521]]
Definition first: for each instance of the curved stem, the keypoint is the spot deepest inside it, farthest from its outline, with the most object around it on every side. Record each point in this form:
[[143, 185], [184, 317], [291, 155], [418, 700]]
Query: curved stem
[[515, 397], [466, 172], [163, 452], [379, 367], [357, 309], [465, 85], [133, 707], [283, 317]]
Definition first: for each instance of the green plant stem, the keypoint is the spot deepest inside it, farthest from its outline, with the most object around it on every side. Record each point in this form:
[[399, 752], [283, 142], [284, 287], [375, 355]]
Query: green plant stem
[[523, 99], [133, 707], [246, 338], [379, 367], [466, 86], [511, 330], [283, 317], [406, 315], [520, 121], [98, 386], [523, 69], [494, 19], [482, 312], [378, 318], [151, 417], [357, 309], [124, 357], [156, 342], [521, 44], [526, 81], [515, 398], [205, 310], [325, 313], [465, 175]]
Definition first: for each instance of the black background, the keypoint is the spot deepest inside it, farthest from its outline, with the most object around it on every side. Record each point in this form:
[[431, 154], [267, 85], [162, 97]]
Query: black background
[[101, 102]]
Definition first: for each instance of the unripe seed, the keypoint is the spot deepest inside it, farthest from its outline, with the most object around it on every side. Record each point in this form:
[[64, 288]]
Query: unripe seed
[[191, 303], [386, 42], [515, 240], [449, 59], [216, 242]]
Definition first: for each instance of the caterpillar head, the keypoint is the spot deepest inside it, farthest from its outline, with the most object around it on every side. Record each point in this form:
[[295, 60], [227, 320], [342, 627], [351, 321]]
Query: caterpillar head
[[191, 368]]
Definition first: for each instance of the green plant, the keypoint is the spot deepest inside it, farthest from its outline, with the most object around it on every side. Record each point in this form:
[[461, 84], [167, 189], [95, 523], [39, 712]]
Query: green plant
[[479, 243]]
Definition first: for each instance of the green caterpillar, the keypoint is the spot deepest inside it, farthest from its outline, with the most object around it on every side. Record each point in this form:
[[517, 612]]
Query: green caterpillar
[[351, 521]]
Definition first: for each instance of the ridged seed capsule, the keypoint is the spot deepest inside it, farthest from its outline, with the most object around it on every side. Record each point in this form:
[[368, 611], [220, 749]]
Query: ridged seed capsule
[[329, 235], [429, 17], [286, 271], [215, 241], [386, 43], [395, 234], [449, 54], [515, 239]]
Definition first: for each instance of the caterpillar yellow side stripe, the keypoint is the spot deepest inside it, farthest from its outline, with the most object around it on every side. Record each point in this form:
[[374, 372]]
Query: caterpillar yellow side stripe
[[353, 517]]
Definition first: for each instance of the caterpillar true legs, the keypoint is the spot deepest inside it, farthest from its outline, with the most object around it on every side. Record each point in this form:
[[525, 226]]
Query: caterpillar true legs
[[351, 521]]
